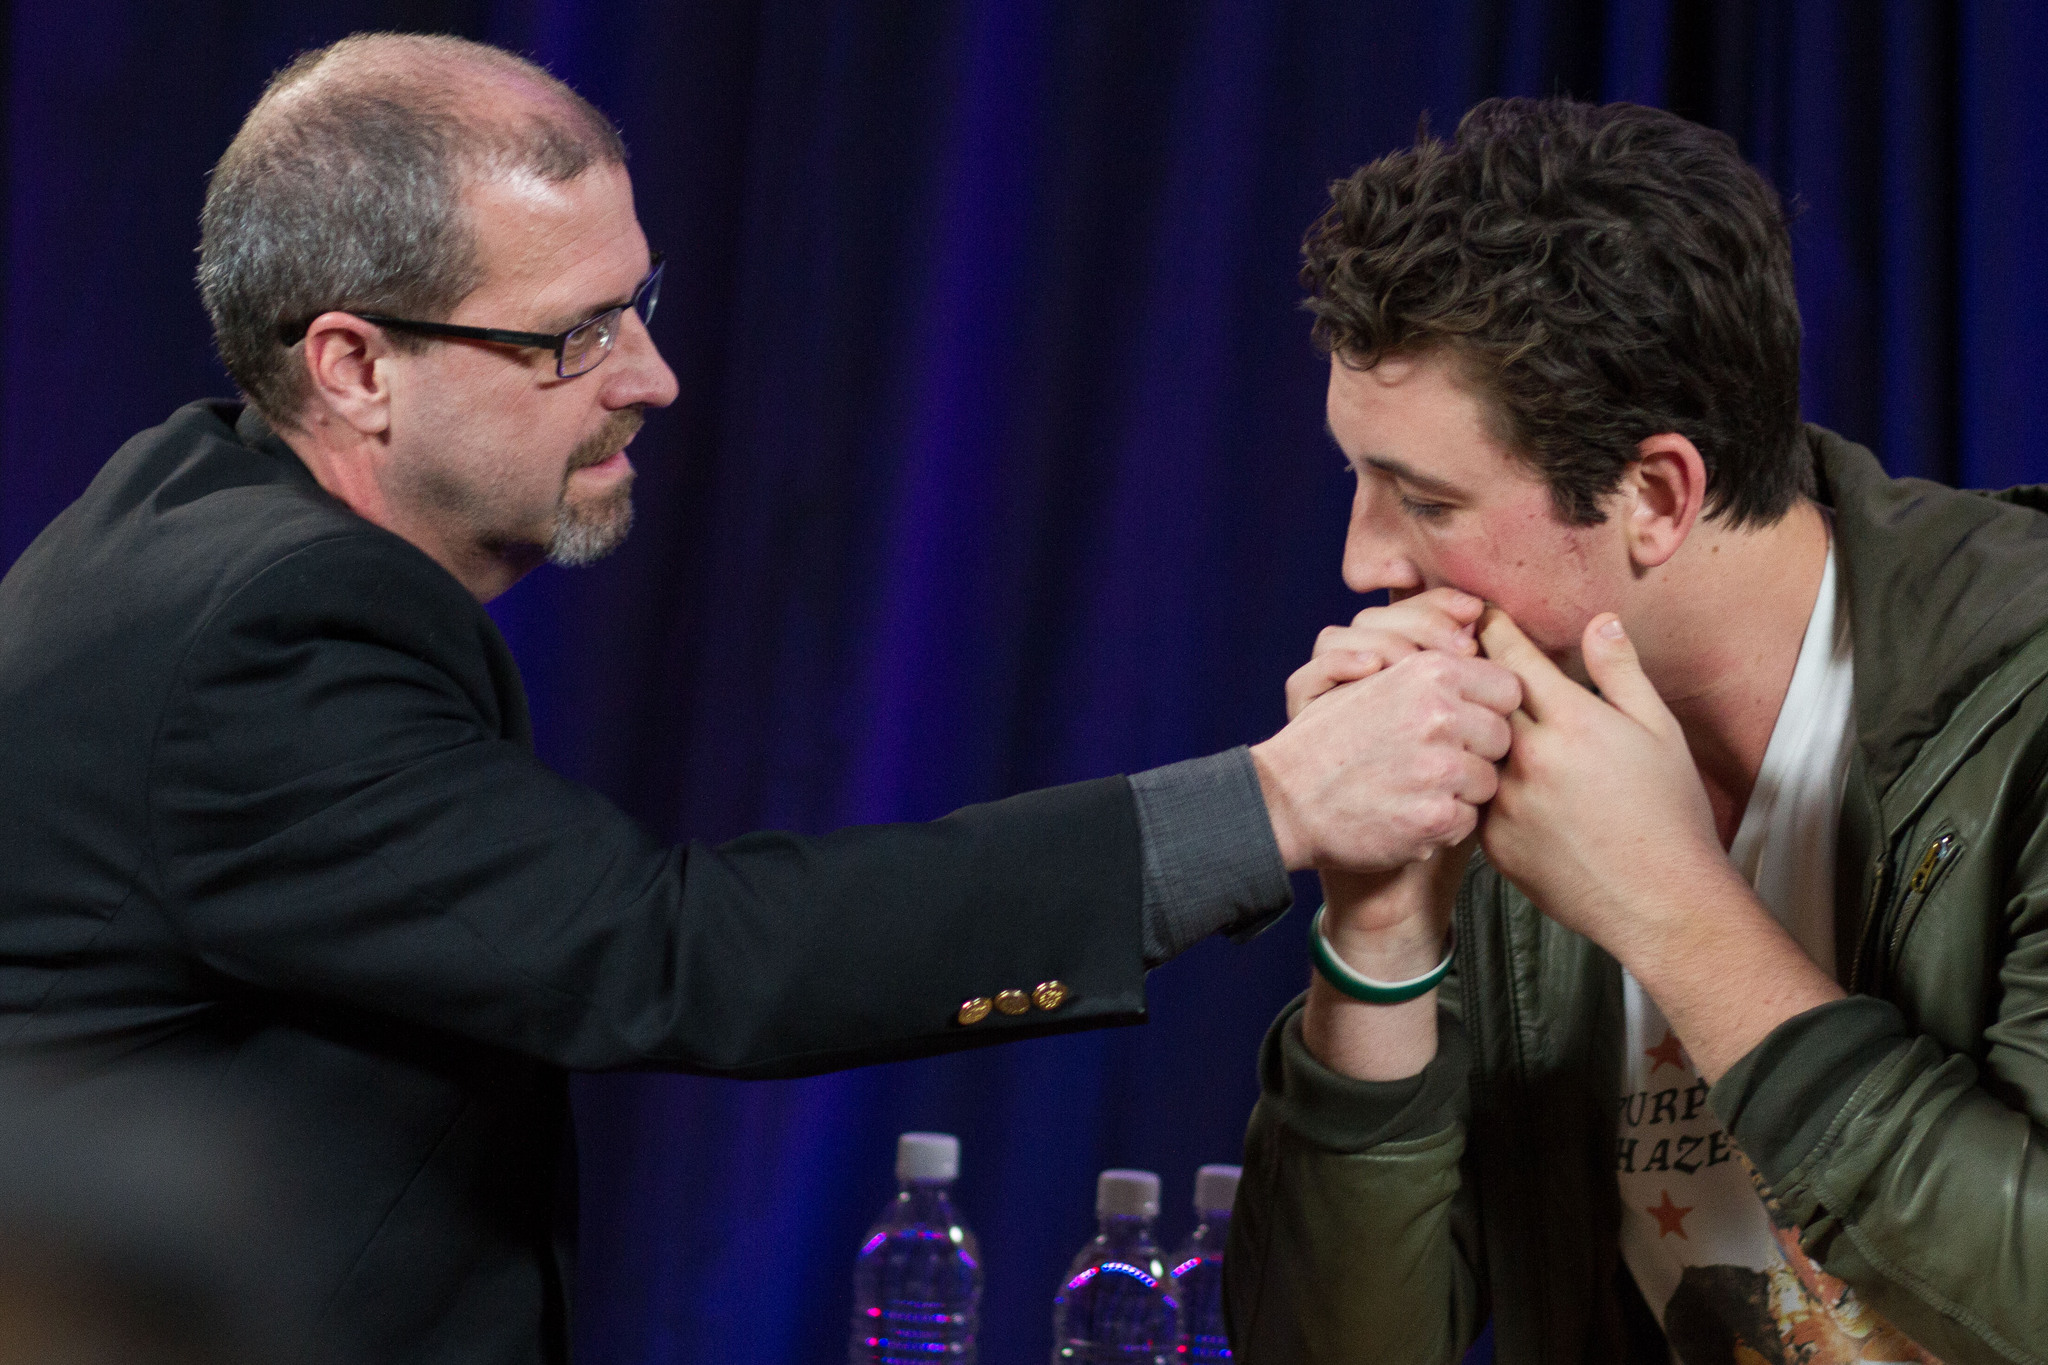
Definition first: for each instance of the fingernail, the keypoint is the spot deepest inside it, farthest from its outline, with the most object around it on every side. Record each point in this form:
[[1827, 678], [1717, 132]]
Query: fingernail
[[1612, 630]]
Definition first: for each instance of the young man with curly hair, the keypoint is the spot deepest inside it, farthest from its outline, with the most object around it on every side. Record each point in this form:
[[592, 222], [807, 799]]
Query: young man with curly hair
[[1741, 1053]]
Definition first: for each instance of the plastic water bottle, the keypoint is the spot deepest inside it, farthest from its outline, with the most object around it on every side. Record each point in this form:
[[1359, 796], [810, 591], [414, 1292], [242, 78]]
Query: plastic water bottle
[[917, 1282], [1118, 1303], [1198, 1268]]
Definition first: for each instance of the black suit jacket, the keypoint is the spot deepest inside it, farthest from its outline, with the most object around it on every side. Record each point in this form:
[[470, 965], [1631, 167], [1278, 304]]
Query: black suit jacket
[[272, 824]]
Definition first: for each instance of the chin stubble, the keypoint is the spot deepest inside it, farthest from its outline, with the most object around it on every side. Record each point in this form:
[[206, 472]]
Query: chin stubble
[[587, 531]]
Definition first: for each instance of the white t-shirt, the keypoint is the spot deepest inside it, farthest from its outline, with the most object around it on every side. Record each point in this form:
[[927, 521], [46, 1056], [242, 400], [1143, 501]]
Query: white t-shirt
[[1729, 1286]]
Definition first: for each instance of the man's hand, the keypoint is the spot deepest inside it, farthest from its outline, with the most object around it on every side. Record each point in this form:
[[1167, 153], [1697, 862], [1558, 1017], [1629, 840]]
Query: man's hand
[[1602, 821], [1600, 806], [1387, 769], [1380, 637]]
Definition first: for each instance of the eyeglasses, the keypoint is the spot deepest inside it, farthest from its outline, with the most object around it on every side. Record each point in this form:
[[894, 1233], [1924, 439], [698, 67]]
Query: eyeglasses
[[577, 351]]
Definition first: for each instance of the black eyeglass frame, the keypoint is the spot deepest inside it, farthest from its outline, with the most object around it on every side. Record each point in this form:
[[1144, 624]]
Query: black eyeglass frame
[[647, 291]]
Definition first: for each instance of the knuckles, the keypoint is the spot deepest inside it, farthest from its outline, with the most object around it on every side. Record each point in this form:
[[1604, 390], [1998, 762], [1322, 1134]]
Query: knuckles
[[1434, 719], [1439, 670], [1441, 818], [1438, 768]]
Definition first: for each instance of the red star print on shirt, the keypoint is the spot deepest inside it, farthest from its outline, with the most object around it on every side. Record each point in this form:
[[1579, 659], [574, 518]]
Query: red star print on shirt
[[1666, 1053], [1670, 1217]]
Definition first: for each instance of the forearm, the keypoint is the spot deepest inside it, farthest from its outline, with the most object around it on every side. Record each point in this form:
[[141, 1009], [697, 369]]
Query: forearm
[[1717, 962], [1602, 820], [1211, 864], [1389, 928], [1347, 1243]]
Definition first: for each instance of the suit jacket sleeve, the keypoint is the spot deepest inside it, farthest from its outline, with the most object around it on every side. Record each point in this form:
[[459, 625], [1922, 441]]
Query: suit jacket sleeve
[[344, 809]]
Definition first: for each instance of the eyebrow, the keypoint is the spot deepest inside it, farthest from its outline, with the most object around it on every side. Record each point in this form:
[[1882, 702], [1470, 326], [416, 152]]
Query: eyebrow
[[562, 322], [1414, 478]]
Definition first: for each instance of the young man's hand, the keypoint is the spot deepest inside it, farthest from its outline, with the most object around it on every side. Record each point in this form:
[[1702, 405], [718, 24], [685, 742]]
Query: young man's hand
[[1600, 808], [1602, 821]]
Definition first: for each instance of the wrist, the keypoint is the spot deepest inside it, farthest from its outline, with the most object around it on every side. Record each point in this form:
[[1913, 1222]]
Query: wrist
[[1391, 925], [1671, 920], [1363, 986], [1386, 952], [1368, 1041], [1292, 839]]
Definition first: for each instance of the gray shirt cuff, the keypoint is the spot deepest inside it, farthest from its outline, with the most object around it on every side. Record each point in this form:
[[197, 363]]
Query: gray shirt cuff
[[1211, 862]]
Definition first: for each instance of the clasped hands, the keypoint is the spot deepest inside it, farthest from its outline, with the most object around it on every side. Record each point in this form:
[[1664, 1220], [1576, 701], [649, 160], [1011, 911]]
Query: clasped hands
[[1447, 727]]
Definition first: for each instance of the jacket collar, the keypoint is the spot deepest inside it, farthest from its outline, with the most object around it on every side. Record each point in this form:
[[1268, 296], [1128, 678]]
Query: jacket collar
[[258, 435], [1943, 587]]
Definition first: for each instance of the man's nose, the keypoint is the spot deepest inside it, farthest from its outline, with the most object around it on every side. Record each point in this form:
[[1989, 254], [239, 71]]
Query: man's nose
[[636, 375], [1375, 559]]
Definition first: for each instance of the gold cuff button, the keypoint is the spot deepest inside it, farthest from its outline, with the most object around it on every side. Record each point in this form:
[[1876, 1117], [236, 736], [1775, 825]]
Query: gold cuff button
[[975, 1010], [1012, 1002], [1050, 995]]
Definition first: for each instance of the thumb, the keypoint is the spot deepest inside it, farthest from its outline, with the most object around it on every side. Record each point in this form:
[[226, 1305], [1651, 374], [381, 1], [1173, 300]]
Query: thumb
[[1543, 686], [1612, 664]]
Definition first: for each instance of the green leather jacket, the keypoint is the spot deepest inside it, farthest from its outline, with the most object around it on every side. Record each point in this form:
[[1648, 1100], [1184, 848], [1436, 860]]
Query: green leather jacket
[[1904, 1129]]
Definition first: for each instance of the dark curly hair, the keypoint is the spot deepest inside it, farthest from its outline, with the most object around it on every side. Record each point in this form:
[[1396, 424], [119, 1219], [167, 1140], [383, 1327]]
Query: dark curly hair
[[1601, 273]]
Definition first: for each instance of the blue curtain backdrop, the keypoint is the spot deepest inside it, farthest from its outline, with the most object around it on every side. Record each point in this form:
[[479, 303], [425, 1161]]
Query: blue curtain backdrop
[[999, 461]]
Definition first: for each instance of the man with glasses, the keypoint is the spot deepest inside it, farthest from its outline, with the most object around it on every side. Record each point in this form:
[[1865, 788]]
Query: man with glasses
[[273, 820]]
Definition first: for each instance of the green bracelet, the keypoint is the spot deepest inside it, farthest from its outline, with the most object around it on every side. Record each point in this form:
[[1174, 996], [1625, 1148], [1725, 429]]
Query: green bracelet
[[1359, 986]]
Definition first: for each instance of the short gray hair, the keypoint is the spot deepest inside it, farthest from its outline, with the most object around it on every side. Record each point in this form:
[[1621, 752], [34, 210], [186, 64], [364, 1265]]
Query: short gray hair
[[343, 189]]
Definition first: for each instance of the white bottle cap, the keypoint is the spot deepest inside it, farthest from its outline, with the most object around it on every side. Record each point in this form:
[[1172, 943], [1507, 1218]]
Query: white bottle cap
[[927, 1156], [1216, 1188], [1127, 1194]]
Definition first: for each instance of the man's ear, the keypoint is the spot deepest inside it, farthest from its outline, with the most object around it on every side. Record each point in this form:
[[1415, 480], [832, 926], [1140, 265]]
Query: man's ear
[[1666, 487], [341, 358]]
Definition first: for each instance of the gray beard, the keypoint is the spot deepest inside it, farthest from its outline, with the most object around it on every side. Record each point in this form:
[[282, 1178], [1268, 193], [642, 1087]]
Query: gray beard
[[587, 533], [579, 533]]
